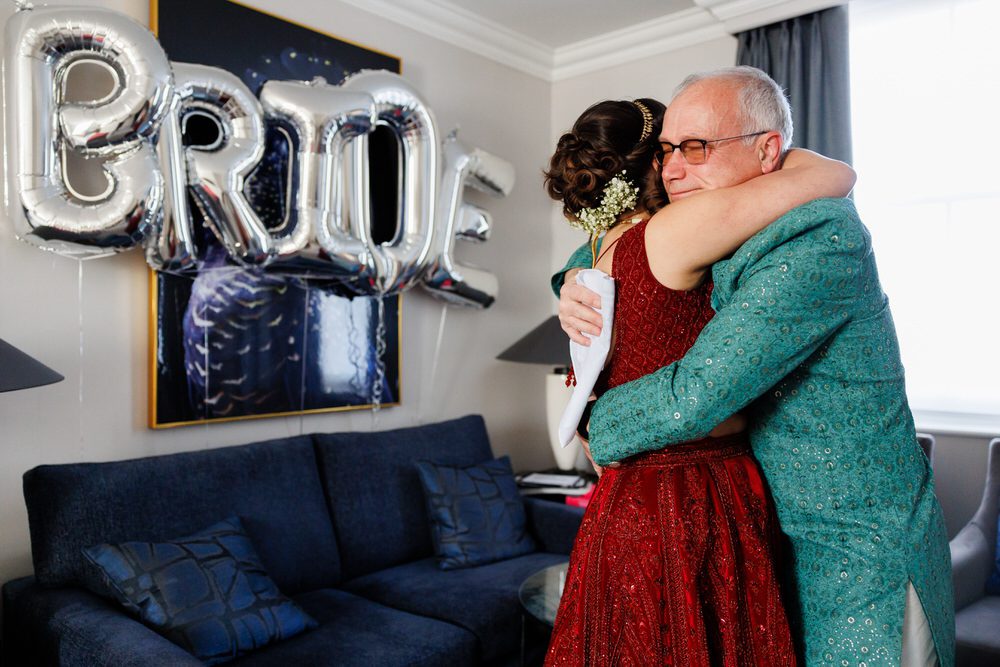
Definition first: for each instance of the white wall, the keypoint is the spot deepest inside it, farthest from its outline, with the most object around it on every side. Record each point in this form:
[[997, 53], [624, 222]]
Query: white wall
[[90, 321]]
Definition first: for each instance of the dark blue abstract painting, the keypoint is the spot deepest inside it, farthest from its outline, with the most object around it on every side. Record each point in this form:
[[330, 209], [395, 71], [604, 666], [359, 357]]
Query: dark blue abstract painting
[[233, 343]]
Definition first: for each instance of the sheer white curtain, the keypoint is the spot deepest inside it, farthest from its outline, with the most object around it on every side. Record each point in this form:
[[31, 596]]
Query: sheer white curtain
[[926, 124]]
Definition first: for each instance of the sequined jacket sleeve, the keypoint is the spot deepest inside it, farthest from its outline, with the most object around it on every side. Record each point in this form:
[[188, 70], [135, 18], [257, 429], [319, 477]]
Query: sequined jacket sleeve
[[580, 259], [784, 293]]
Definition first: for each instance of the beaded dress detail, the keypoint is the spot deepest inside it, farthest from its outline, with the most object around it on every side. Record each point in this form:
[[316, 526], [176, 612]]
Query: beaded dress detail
[[674, 563]]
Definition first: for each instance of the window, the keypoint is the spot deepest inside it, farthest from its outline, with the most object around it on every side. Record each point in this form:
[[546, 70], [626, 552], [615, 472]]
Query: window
[[926, 130]]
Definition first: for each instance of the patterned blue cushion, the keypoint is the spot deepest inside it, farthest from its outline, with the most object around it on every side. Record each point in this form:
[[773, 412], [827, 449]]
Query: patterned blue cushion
[[208, 592], [476, 513]]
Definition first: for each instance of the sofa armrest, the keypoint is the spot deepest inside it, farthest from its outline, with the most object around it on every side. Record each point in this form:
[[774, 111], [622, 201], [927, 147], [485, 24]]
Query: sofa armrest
[[553, 525], [971, 563], [71, 627]]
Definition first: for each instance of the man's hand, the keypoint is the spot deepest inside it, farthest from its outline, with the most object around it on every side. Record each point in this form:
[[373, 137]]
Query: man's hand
[[577, 310]]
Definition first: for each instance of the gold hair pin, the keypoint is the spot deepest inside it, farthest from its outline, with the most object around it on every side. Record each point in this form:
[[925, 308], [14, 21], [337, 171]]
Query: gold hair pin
[[647, 120]]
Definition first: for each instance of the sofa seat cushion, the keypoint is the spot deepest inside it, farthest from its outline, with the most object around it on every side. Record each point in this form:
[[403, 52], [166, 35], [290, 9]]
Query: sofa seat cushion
[[355, 632], [206, 592], [482, 599], [976, 638], [273, 486], [71, 627]]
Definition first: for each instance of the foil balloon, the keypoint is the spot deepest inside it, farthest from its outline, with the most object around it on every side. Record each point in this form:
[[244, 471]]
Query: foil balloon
[[151, 167], [316, 241], [401, 262], [43, 45], [171, 247], [445, 278], [474, 224], [217, 172]]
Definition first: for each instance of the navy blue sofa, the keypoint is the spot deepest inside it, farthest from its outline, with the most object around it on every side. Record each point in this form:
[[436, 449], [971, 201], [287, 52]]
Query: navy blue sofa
[[339, 521]]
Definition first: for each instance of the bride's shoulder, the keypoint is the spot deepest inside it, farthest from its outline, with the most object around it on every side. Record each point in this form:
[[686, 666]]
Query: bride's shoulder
[[608, 243]]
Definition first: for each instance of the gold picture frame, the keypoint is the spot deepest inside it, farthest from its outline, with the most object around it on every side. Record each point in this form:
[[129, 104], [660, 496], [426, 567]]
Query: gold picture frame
[[269, 44]]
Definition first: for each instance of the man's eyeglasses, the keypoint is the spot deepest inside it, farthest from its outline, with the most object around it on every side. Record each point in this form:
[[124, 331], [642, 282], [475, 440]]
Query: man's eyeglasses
[[695, 151]]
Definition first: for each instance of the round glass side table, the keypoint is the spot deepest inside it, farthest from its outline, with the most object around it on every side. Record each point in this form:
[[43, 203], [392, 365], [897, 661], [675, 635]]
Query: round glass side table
[[539, 595], [541, 591]]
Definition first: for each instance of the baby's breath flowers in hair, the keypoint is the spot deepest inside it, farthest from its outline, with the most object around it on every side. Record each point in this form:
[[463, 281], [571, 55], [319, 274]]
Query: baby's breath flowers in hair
[[619, 195]]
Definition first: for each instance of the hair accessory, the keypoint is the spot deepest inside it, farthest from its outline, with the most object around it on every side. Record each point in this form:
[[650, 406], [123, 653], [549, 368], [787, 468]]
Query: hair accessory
[[619, 195], [647, 120]]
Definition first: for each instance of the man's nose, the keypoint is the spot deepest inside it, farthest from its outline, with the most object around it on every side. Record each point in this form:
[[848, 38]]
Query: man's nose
[[673, 166]]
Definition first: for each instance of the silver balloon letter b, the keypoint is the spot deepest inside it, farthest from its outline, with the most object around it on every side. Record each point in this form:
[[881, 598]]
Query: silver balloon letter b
[[41, 127]]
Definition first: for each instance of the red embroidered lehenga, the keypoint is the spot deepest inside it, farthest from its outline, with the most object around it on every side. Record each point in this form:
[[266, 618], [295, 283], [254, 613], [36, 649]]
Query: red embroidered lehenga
[[674, 563]]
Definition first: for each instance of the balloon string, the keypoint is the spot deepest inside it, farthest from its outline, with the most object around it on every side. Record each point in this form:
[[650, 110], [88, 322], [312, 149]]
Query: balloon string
[[206, 361], [437, 351], [354, 350], [305, 352], [79, 302], [380, 346]]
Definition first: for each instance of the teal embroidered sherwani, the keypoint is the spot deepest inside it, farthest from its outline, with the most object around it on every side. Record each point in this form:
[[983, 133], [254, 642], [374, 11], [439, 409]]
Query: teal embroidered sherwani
[[804, 342]]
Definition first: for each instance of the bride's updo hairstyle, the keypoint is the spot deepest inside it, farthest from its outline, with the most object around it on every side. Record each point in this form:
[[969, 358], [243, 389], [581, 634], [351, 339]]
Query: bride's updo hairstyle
[[607, 139]]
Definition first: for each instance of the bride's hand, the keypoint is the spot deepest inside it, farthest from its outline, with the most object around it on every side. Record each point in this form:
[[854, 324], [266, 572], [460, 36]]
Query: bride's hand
[[734, 424], [586, 450]]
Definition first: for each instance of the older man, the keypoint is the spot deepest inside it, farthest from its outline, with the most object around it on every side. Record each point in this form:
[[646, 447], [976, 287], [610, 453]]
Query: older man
[[804, 343]]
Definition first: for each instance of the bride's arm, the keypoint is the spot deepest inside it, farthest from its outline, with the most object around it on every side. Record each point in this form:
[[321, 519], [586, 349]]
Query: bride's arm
[[688, 236]]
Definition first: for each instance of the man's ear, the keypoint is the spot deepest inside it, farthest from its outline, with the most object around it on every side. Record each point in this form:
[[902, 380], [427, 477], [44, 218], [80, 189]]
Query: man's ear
[[769, 152]]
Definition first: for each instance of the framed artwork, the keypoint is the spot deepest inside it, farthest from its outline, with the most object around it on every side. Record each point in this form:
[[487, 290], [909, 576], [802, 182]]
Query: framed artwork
[[230, 343]]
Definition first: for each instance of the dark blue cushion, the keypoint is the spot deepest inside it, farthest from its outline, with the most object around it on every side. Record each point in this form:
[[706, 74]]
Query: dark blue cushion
[[477, 515], [274, 486], [207, 592], [374, 490], [482, 599]]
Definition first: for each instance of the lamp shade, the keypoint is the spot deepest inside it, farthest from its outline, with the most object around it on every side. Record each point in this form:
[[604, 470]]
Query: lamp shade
[[19, 371], [545, 344]]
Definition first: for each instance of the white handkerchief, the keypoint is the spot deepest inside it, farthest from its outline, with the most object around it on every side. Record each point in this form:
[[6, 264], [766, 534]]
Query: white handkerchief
[[589, 361]]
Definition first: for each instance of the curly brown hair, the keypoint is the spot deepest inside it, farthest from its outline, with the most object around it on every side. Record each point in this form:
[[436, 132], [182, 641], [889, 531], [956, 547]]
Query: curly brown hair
[[603, 143]]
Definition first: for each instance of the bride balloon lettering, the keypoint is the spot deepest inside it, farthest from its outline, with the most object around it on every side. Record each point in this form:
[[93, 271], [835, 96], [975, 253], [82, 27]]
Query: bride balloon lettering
[[151, 175]]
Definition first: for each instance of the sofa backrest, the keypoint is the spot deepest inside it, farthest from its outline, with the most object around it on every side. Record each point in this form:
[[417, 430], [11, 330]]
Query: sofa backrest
[[273, 486], [377, 502]]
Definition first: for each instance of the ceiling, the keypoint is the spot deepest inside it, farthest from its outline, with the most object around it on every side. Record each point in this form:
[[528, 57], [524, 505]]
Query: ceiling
[[558, 39], [557, 23]]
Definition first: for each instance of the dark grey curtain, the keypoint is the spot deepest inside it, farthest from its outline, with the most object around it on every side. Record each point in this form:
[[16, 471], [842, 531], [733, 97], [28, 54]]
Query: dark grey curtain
[[808, 57]]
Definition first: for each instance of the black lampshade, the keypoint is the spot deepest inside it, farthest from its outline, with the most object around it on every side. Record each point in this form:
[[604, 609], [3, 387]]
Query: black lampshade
[[19, 371], [545, 344]]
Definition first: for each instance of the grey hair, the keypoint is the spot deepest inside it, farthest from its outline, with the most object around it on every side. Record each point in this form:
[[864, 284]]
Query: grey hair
[[762, 102]]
